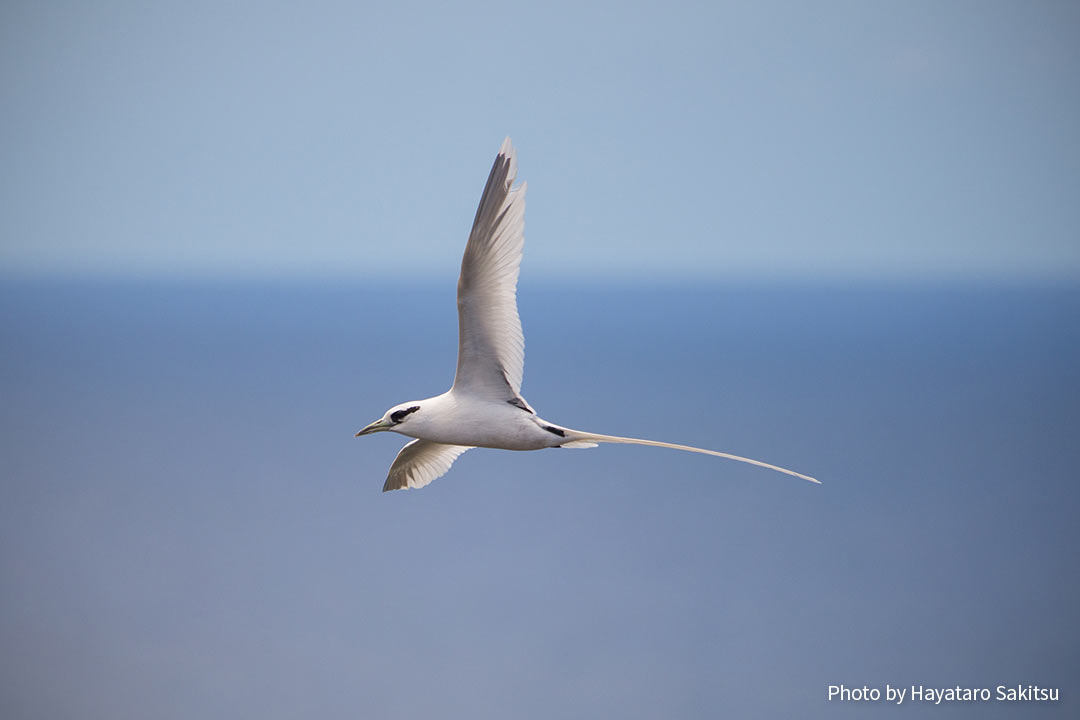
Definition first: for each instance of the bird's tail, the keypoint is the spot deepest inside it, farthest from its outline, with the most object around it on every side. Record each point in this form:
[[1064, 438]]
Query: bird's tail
[[576, 438]]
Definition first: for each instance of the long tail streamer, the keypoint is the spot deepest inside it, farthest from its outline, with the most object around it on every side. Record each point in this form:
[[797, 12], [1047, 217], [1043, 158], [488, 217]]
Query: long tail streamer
[[584, 439]]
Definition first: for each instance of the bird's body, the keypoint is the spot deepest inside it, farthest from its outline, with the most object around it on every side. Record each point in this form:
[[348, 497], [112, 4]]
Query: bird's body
[[458, 419], [485, 408]]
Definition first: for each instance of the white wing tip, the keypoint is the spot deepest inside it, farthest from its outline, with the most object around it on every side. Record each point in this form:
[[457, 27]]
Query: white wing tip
[[407, 483], [507, 151]]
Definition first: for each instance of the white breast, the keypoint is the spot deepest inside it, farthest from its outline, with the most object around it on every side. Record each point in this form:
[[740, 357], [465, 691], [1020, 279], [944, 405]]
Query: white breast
[[466, 420]]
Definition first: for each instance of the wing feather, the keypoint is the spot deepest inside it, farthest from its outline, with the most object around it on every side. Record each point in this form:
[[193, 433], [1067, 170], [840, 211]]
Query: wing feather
[[491, 346], [420, 462]]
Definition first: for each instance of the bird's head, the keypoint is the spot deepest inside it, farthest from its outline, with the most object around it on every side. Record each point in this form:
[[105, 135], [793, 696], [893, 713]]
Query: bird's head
[[393, 419]]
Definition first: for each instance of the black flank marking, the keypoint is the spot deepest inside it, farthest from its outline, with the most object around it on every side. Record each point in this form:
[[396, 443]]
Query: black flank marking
[[518, 403], [554, 430]]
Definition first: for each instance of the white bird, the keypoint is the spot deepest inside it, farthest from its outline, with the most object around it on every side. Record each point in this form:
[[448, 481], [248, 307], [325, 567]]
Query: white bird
[[484, 407]]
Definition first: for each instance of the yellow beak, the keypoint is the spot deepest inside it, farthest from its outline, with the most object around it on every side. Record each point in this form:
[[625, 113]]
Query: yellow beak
[[375, 427]]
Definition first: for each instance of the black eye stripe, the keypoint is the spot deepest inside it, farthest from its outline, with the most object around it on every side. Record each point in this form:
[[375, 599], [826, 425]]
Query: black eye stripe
[[399, 415]]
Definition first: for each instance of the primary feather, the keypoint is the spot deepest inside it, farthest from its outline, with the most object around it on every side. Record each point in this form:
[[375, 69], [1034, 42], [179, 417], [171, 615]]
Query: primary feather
[[420, 462], [491, 346]]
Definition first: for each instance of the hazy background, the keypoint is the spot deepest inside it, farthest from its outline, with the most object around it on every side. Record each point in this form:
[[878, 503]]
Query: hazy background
[[841, 238], [764, 139]]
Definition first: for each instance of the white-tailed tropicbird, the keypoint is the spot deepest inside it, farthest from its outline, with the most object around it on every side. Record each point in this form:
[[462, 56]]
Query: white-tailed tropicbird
[[484, 407]]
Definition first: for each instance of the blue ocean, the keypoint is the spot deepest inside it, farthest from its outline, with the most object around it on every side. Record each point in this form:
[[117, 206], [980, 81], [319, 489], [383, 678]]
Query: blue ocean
[[189, 528]]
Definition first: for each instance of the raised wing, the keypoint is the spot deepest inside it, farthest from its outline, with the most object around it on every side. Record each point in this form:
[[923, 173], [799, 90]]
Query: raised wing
[[491, 347], [420, 462]]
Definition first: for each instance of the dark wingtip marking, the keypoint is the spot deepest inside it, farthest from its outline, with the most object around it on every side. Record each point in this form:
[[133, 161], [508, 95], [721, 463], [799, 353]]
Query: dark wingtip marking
[[554, 430]]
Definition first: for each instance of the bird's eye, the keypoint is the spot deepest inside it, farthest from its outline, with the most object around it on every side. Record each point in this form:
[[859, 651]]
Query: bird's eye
[[399, 415]]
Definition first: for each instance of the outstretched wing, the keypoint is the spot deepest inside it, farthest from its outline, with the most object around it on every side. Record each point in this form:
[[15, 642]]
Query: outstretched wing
[[491, 347], [420, 462]]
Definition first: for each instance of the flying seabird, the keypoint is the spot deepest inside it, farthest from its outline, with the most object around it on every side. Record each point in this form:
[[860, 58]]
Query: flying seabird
[[484, 407]]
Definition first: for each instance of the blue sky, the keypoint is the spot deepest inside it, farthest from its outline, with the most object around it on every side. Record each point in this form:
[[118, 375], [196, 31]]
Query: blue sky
[[753, 140]]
